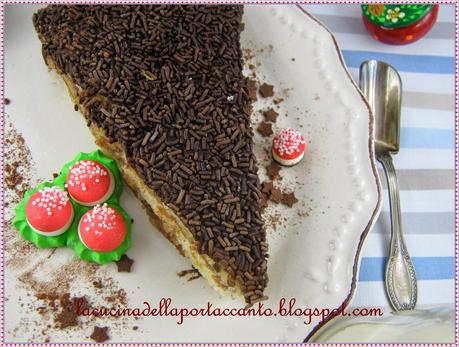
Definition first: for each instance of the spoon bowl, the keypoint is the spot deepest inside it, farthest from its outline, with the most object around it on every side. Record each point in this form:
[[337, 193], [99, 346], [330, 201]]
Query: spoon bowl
[[382, 86]]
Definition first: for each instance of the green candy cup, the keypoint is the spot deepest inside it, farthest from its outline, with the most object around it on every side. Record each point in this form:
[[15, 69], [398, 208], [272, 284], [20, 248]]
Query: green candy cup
[[70, 237], [26, 231], [109, 163], [74, 242]]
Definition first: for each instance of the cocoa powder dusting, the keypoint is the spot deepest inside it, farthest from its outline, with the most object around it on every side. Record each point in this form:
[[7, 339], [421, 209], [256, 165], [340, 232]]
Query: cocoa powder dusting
[[18, 166], [19, 177], [67, 316]]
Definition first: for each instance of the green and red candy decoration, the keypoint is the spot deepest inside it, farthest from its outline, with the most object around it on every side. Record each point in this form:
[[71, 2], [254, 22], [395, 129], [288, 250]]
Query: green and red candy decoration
[[80, 209], [89, 183], [49, 211], [399, 24], [102, 229]]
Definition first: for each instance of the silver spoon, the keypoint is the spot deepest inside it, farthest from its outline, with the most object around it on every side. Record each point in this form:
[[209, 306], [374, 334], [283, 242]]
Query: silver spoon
[[382, 87]]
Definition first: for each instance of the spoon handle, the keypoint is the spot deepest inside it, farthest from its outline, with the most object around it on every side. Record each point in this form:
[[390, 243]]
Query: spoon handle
[[400, 278]]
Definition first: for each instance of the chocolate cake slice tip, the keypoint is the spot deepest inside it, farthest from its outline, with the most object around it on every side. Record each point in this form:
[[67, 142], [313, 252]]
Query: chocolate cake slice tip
[[162, 91]]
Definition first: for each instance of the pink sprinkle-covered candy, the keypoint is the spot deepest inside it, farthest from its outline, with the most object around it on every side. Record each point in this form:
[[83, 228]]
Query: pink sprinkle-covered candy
[[49, 211], [288, 147], [102, 229], [89, 182]]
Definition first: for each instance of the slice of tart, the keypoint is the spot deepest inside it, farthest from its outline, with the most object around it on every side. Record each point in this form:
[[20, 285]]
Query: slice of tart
[[162, 91]]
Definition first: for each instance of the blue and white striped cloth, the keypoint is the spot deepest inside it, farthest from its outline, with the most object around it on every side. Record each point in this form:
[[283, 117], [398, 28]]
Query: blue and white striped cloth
[[425, 163]]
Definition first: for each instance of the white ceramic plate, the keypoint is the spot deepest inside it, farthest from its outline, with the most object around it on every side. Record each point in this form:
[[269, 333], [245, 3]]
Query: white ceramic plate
[[314, 248]]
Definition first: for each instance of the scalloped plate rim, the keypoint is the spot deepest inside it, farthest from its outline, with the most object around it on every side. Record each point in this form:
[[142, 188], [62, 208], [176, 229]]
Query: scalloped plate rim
[[377, 210]]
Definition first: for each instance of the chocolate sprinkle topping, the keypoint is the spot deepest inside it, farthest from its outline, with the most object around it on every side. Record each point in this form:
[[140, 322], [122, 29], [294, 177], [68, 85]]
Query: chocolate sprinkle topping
[[166, 83]]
